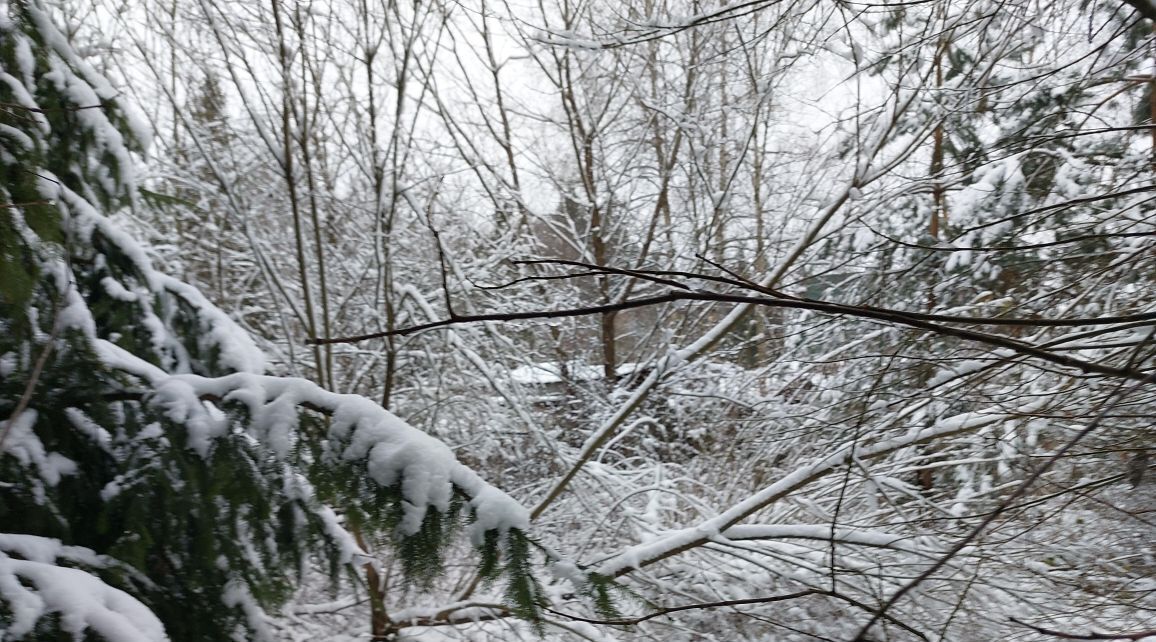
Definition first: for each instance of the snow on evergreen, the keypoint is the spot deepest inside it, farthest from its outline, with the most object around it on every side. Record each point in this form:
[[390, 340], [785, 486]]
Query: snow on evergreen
[[151, 477]]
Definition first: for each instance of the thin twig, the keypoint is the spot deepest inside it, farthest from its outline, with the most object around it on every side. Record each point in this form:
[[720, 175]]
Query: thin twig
[[743, 602], [33, 379], [747, 283], [598, 270], [1107, 404]]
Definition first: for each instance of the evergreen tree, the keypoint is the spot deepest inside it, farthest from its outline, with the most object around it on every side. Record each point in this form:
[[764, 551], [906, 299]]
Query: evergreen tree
[[154, 484]]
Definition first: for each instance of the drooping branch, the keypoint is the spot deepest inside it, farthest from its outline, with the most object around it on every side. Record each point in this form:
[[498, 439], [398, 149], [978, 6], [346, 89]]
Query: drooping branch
[[362, 432]]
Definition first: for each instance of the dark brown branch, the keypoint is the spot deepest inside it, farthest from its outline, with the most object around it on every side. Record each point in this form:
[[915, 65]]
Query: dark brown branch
[[37, 371], [1034, 138], [1146, 9], [928, 322], [649, 33], [442, 263], [775, 299], [542, 277], [458, 319], [595, 270], [743, 281]]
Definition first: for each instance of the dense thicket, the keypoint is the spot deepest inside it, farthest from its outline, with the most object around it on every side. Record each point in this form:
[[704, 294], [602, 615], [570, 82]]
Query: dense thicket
[[154, 484], [785, 320]]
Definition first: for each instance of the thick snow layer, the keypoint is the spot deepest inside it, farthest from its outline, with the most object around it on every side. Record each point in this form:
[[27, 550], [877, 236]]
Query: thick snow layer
[[97, 84], [237, 596], [23, 444], [548, 373], [217, 333], [350, 549], [46, 550], [361, 431], [237, 349], [33, 586]]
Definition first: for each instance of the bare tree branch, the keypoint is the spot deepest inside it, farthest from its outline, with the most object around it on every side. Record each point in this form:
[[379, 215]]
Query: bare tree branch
[[743, 602], [929, 322]]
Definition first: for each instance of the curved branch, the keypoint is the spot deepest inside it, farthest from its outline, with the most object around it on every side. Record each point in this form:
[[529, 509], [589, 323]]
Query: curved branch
[[929, 322]]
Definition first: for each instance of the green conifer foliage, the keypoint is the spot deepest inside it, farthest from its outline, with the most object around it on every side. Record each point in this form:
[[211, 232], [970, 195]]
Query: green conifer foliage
[[153, 482]]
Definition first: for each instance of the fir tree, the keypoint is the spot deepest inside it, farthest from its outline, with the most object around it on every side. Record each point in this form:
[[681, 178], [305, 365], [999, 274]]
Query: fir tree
[[154, 484]]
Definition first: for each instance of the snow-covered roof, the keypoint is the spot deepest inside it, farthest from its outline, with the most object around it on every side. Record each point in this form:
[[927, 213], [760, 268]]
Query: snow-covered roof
[[544, 373]]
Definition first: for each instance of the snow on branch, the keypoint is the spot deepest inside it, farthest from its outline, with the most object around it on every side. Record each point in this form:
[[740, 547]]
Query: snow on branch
[[824, 532], [718, 528], [393, 452], [33, 585]]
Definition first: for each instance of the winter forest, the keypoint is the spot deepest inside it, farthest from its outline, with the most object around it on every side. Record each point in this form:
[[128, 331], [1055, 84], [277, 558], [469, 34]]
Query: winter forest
[[661, 320]]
